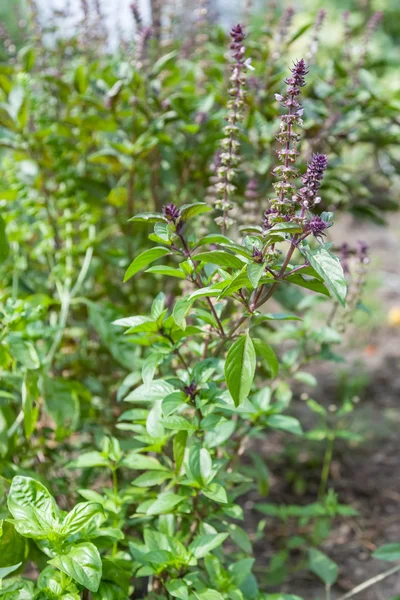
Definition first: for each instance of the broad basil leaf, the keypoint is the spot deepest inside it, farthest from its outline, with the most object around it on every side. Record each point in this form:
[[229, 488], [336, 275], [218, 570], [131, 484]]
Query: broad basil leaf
[[240, 368], [83, 563]]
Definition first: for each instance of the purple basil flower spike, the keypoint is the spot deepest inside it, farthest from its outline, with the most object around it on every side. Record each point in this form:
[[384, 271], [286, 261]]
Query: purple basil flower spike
[[171, 212]]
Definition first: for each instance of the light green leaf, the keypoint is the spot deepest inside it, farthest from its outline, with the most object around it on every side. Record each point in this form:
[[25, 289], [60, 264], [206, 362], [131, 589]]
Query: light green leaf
[[82, 562], [286, 227], [144, 259], [30, 395], [178, 589], [151, 478], [200, 464], [204, 544], [141, 462], [165, 270], [89, 459], [80, 79], [154, 426], [265, 351], [188, 211], [215, 492], [180, 311], [220, 258], [285, 423], [172, 402], [24, 352], [4, 246], [328, 266], [240, 368], [148, 217], [179, 446], [80, 516], [388, 552], [156, 390], [164, 504], [149, 367], [209, 595], [255, 271], [4, 571], [133, 322], [323, 566]]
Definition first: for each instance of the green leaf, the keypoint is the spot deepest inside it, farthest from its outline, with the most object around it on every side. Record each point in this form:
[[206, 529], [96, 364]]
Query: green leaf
[[80, 516], [215, 492], [388, 552], [179, 446], [4, 571], [281, 597], [149, 367], [156, 390], [133, 322], [165, 270], [89, 459], [204, 544], [80, 79], [4, 246], [62, 404], [164, 504], [26, 492], [209, 595], [200, 464], [178, 589], [214, 238], [172, 402], [220, 258], [33, 507], [180, 311], [240, 368], [154, 425], [82, 562], [158, 306], [255, 271], [265, 351], [285, 424], [141, 462], [328, 266], [286, 227], [151, 478], [144, 259], [24, 352], [13, 547], [322, 566], [148, 217], [30, 395], [188, 211]]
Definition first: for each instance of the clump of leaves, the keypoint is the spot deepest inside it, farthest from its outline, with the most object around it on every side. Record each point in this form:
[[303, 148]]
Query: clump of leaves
[[162, 488]]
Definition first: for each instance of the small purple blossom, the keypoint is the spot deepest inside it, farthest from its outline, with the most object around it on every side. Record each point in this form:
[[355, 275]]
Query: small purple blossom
[[171, 212], [268, 214], [237, 35], [191, 390], [288, 139], [345, 253], [252, 189], [362, 251], [312, 179], [257, 255], [317, 226]]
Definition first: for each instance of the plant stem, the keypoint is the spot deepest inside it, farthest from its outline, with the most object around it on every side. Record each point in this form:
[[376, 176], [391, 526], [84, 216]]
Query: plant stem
[[115, 490], [327, 465], [370, 582], [328, 592]]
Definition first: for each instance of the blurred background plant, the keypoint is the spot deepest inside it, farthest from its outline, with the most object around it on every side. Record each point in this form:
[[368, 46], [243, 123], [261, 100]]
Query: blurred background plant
[[101, 118]]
